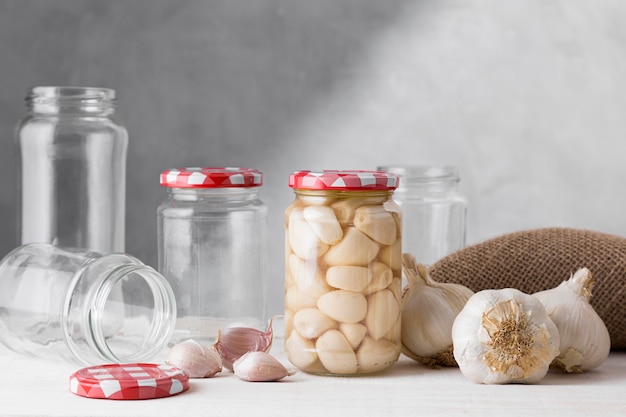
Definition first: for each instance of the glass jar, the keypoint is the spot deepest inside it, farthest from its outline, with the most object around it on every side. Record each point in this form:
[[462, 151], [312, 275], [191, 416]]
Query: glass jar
[[343, 272], [434, 210], [83, 306], [71, 167], [212, 233]]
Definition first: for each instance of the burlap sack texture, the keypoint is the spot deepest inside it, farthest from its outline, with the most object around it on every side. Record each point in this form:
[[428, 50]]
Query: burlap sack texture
[[540, 259]]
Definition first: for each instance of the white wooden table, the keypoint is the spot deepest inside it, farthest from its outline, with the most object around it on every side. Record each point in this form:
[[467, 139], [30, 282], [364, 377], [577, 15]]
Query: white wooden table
[[30, 387]]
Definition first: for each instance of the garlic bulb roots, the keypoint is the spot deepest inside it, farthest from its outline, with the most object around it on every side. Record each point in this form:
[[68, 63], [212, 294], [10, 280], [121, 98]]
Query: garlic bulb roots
[[428, 312], [585, 341], [504, 336]]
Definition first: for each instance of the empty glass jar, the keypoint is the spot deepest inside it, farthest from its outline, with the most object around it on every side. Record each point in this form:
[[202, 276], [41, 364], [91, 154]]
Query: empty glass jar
[[434, 210], [212, 233], [71, 169], [83, 306]]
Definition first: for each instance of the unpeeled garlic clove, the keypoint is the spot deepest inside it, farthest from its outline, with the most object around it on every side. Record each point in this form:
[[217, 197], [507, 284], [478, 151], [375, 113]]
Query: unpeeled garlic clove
[[260, 367], [198, 361], [237, 341], [585, 340]]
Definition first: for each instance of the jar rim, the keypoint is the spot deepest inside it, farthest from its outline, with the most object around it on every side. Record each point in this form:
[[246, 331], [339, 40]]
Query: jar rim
[[422, 172], [346, 180], [40, 94]]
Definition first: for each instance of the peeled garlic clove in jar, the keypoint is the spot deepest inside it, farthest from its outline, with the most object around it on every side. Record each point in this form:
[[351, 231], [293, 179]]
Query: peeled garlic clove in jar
[[237, 341], [198, 361], [504, 336], [259, 367], [428, 312], [585, 340]]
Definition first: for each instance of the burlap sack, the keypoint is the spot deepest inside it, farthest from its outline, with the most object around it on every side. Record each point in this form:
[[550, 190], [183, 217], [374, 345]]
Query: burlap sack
[[536, 260]]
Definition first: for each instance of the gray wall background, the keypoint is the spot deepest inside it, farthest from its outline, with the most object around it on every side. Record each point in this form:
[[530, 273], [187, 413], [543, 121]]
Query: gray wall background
[[526, 97]]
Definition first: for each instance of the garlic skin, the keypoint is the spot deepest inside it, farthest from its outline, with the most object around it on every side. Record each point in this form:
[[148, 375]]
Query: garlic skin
[[260, 367], [198, 361], [428, 312], [585, 341], [237, 341], [504, 336]]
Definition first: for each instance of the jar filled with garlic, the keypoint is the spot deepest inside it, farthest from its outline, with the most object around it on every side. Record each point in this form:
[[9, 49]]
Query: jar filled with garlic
[[343, 272]]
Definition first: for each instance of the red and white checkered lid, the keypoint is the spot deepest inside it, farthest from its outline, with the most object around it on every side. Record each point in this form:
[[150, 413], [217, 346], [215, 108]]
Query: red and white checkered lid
[[133, 381], [211, 177], [343, 180]]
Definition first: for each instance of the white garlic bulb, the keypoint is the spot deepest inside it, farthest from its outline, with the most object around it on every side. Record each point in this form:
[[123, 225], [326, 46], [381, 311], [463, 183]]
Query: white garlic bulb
[[504, 336], [585, 340], [428, 311]]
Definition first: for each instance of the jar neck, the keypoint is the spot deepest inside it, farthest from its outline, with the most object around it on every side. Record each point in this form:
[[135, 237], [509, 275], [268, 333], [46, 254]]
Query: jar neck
[[50, 100], [103, 324], [213, 194]]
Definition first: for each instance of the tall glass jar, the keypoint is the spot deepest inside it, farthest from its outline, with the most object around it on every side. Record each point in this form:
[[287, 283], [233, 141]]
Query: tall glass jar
[[71, 169], [83, 306], [434, 210], [212, 233], [343, 272]]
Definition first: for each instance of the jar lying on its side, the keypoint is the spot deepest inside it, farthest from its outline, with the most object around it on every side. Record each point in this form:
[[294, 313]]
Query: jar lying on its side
[[343, 272], [83, 306]]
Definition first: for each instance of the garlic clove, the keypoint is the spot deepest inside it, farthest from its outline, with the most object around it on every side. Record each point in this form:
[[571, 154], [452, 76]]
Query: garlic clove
[[237, 341], [428, 312], [336, 354], [504, 336], [198, 361], [260, 367], [377, 223], [354, 249], [585, 340]]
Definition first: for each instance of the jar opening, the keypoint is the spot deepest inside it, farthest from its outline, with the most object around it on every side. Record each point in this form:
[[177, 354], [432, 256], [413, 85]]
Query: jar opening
[[118, 310], [129, 314]]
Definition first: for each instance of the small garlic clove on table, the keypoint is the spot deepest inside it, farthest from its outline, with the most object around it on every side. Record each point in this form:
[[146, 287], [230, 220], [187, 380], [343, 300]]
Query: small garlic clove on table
[[196, 360], [237, 341], [260, 367]]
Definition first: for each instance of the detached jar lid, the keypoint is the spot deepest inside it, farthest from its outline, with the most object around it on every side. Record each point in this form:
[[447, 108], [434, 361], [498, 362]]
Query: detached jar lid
[[343, 180], [211, 177], [133, 381]]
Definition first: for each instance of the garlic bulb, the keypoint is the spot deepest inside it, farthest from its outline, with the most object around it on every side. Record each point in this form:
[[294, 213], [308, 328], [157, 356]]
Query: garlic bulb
[[259, 367], [504, 336], [585, 340], [428, 311], [237, 341], [197, 360]]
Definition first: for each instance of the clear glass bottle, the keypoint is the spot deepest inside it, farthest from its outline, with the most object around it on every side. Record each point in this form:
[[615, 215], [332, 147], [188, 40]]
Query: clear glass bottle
[[343, 272], [434, 210], [71, 169], [82, 306], [212, 233]]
